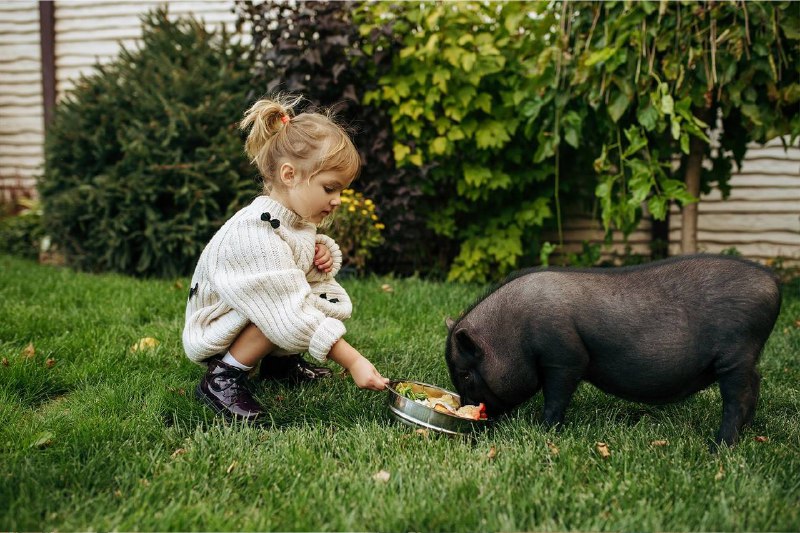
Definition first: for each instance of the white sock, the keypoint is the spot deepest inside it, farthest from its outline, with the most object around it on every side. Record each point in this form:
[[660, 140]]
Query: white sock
[[229, 359]]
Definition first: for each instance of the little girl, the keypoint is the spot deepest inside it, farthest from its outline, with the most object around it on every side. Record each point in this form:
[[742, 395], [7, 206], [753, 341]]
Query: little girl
[[264, 285]]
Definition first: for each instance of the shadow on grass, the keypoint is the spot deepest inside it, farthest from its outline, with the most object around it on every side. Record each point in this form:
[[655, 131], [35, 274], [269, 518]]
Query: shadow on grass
[[32, 383]]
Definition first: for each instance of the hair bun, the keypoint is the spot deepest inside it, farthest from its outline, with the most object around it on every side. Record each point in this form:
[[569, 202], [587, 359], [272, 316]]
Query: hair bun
[[264, 119]]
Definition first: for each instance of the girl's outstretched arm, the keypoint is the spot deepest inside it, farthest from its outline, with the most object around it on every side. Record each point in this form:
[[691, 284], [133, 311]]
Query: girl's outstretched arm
[[364, 373]]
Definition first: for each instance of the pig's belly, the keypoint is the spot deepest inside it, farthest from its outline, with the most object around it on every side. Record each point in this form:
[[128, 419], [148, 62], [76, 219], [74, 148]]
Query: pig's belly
[[650, 381]]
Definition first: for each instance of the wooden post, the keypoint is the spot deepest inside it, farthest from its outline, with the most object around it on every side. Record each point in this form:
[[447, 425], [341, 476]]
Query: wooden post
[[47, 32], [694, 170]]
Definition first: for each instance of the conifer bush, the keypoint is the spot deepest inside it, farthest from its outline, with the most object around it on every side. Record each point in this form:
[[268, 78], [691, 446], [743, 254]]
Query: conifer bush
[[143, 161]]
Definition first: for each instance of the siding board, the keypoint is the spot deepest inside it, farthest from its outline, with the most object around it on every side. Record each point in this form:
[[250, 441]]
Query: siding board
[[21, 113], [88, 33], [760, 218]]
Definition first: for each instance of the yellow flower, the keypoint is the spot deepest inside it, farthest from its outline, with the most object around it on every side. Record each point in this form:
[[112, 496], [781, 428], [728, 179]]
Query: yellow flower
[[374, 217], [379, 226], [351, 208], [368, 201], [364, 212]]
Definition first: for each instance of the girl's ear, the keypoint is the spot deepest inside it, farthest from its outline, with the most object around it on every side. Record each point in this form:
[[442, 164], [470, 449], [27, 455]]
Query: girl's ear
[[286, 174]]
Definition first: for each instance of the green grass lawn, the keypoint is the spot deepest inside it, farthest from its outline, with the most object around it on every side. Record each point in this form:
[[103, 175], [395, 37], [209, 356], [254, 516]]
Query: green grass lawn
[[97, 437]]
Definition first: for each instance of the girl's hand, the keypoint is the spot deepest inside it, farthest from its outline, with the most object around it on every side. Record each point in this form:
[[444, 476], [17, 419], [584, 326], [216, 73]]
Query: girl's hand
[[322, 258], [366, 376]]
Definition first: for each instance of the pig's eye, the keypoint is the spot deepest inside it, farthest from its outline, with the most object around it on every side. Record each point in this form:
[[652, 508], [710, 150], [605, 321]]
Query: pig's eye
[[465, 376]]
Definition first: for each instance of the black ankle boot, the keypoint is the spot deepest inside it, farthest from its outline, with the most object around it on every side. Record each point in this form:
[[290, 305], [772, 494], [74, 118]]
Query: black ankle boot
[[291, 368], [224, 389]]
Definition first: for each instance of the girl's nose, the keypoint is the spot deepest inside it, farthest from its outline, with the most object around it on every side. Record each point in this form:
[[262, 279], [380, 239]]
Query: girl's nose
[[336, 201]]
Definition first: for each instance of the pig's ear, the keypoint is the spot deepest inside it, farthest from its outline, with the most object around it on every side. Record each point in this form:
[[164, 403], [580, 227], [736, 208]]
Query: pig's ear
[[465, 343], [449, 323]]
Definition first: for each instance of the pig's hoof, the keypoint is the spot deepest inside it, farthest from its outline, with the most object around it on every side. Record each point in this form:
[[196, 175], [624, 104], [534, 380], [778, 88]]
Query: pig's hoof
[[717, 445], [555, 427]]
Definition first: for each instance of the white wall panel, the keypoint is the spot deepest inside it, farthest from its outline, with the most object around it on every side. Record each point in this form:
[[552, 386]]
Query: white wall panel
[[88, 33], [761, 217], [21, 110]]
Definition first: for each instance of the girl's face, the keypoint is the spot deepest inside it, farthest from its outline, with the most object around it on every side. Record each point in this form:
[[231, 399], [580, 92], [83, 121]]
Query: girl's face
[[318, 197]]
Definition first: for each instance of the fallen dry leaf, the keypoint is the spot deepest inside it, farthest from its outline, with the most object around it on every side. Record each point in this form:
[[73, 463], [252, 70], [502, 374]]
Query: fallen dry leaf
[[659, 443], [492, 453], [382, 476], [387, 288], [230, 468], [720, 473], [50, 362], [422, 432], [118, 493], [553, 448], [5, 361], [603, 450], [29, 351], [797, 323], [761, 438], [178, 284], [145, 343], [178, 452]]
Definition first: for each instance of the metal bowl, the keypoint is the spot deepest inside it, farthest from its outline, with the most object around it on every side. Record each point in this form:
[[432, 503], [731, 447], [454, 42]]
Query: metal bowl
[[415, 414]]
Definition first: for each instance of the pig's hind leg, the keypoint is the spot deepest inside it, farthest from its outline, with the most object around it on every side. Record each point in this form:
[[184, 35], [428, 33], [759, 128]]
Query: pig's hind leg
[[755, 387], [739, 389]]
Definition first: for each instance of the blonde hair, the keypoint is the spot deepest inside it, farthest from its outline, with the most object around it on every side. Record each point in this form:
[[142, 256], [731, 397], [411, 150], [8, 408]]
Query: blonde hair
[[312, 142]]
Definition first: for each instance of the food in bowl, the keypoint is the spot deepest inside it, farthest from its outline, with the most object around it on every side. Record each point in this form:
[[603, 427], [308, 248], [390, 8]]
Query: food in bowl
[[444, 403]]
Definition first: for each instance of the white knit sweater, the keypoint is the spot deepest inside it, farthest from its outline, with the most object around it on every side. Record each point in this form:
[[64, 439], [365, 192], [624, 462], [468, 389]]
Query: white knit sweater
[[251, 272]]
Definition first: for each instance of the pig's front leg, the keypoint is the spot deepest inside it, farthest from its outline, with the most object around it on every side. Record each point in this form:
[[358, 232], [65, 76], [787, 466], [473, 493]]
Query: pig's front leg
[[558, 386]]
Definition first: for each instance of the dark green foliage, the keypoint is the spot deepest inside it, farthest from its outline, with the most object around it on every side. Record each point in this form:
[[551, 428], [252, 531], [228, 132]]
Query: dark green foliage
[[21, 233], [315, 49], [508, 116], [143, 161]]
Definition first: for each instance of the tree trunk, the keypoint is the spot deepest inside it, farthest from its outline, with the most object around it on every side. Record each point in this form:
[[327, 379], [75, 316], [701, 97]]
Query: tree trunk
[[694, 168], [659, 237]]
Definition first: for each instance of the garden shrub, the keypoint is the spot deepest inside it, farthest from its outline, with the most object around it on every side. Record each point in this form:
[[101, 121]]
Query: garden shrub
[[464, 109], [510, 109], [315, 49], [143, 161], [21, 228], [356, 229]]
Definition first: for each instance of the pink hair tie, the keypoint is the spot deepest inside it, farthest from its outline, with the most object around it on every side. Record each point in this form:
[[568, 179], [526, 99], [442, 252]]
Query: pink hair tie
[[284, 118]]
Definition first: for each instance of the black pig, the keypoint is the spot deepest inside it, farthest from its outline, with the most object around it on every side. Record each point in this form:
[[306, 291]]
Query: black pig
[[654, 333]]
